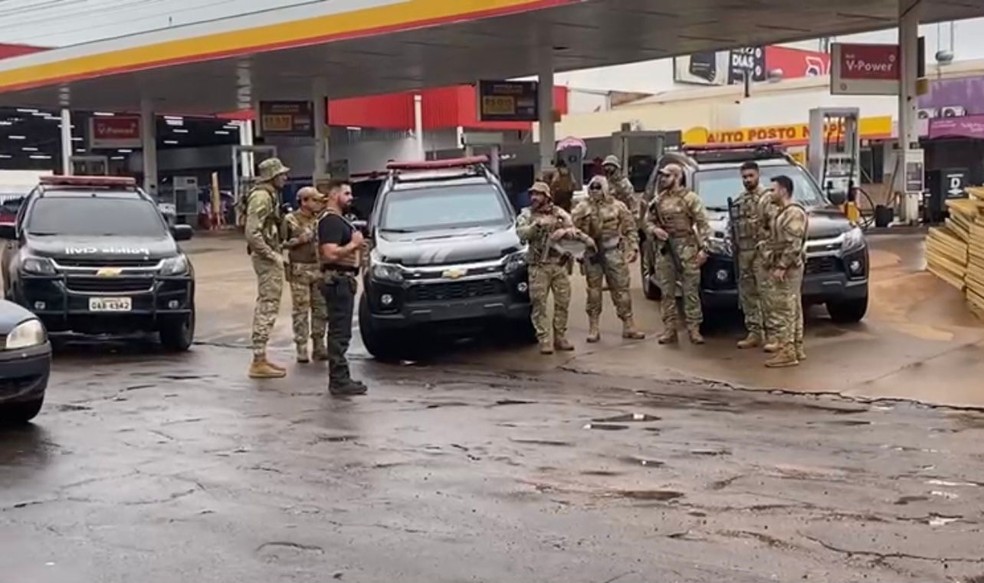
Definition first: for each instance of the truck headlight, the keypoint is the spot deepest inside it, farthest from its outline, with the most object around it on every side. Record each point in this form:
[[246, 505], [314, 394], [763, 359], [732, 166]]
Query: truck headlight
[[853, 239], [26, 334], [386, 272], [175, 265], [38, 265], [514, 262]]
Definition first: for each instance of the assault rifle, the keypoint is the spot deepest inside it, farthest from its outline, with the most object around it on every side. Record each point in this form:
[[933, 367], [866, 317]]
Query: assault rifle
[[666, 247], [733, 233]]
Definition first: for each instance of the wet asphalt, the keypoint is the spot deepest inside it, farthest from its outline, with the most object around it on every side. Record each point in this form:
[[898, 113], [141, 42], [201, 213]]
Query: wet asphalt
[[162, 468]]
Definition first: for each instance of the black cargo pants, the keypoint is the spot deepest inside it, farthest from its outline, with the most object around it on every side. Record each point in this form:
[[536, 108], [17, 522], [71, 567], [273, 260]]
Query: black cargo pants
[[339, 289]]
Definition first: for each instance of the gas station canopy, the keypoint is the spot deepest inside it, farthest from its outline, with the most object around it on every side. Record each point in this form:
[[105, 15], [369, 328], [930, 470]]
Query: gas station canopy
[[368, 47]]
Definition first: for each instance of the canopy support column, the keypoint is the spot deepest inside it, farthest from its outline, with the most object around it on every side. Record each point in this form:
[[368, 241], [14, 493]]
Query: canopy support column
[[319, 103], [66, 142], [911, 163], [148, 136], [545, 105]]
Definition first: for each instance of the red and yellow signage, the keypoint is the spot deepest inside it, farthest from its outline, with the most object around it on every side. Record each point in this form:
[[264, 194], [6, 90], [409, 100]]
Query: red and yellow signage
[[871, 128]]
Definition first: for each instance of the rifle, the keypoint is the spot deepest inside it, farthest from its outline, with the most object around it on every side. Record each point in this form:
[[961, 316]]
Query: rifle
[[733, 231], [666, 246]]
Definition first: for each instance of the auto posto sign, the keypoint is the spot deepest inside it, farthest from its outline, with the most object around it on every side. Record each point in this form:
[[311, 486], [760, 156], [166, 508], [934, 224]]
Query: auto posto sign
[[864, 69], [118, 131]]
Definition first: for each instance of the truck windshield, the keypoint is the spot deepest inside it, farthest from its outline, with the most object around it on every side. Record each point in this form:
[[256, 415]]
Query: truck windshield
[[717, 185], [443, 207], [94, 217]]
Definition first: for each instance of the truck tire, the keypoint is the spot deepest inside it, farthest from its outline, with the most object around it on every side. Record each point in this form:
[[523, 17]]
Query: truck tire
[[380, 345], [848, 311], [178, 334], [20, 413]]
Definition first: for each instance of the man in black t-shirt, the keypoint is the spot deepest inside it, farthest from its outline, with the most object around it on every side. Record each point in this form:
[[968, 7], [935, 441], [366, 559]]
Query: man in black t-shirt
[[341, 246]]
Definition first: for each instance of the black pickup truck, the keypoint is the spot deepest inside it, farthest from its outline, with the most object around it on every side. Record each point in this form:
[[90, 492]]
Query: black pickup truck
[[94, 256], [836, 273]]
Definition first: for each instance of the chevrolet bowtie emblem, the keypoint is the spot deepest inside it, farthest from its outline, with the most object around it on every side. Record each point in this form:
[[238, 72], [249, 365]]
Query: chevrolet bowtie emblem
[[454, 273], [109, 272]]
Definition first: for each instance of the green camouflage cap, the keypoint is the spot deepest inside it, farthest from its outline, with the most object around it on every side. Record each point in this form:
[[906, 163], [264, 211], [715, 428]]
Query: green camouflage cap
[[612, 160], [270, 169]]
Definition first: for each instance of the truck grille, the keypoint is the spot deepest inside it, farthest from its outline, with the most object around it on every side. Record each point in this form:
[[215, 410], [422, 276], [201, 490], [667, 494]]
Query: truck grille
[[456, 290], [122, 262], [108, 284], [817, 265]]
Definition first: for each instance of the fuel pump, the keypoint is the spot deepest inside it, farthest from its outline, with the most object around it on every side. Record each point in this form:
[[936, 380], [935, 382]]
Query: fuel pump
[[834, 155]]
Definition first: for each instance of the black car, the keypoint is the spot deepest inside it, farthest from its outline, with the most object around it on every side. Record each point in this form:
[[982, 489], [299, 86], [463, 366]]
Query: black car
[[836, 272], [445, 257], [94, 256], [25, 363]]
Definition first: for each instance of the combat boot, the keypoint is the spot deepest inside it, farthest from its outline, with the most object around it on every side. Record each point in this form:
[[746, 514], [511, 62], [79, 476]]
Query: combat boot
[[771, 347], [318, 351], [302, 354], [695, 336], [800, 353], [546, 347], [347, 388], [261, 368], [594, 334], [750, 341], [668, 337], [629, 331], [562, 344], [784, 357]]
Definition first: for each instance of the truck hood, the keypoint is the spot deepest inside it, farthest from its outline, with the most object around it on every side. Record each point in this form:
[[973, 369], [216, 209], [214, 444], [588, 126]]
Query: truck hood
[[103, 247], [825, 223], [447, 246]]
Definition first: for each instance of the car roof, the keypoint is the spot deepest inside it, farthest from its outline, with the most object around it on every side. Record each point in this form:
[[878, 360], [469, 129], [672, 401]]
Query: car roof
[[91, 193], [769, 162], [425, 181]]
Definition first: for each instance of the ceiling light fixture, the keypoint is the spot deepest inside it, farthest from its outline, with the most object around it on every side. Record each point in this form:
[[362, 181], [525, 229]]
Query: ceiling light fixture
[[40, 157], [6, 156], [29, 149], [103, 114], [118, 158], [174, 122], [221, 133], [125, 151], [76, 139], [17, 137], [171, 142], [180, 131], [27, 111]]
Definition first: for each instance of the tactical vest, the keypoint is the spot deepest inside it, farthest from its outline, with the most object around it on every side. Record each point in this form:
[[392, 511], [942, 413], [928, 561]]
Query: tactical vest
[[749, 220], [674, 215], [272, 228], [603, 224], [777, 247], [297, 225]]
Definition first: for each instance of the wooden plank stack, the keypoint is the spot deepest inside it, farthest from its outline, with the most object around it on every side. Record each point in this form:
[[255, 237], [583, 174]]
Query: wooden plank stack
[[955, 251]]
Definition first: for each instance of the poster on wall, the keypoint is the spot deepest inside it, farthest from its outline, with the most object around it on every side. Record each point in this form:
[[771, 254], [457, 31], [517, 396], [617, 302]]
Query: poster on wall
[[287, 118], [728, 67], [705, 68], [508, 101]]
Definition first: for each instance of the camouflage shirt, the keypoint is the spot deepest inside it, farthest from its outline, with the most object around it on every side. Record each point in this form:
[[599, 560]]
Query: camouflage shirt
[[623, 191], [681, 214], [749, 218], [296, 224], [535, 228], [263, 222], [607, 222], [787, 245]]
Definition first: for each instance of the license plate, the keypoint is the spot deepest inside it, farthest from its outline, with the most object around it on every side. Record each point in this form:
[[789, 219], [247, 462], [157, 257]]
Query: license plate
[[110, 304]]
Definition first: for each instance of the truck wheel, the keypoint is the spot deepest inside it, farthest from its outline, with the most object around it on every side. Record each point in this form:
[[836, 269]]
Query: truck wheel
[[178, 334], [848, 311], [380, 345], [20, 413]]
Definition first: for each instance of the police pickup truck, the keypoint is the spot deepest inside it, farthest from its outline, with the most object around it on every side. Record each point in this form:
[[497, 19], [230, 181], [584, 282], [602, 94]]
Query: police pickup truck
[[94, 256], [836, 272], [445, 257]]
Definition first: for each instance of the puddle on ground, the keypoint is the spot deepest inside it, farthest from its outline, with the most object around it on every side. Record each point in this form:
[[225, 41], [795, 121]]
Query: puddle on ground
[[658, 495], [629, 418], [606, 426]]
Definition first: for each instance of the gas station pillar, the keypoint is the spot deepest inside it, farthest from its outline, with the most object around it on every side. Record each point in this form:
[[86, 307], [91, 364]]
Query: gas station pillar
[[148, 135], [321, 130], [545, 107], [66, 142], [909, 178]]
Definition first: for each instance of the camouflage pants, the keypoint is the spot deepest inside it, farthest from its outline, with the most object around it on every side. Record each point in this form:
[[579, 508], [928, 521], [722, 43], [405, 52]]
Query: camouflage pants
[[647, 252], [269, 289], [786, 301], [766, 291], [545, 279], [339, 291], [749, 291], [309, 314], [667, 277], [615, 270]]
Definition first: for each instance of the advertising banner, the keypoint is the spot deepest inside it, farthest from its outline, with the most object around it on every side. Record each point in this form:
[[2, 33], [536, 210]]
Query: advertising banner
[[791, 134], [118, 131], [864, 69], [747, 61], [287, 118], [797, 63], [508, 101]]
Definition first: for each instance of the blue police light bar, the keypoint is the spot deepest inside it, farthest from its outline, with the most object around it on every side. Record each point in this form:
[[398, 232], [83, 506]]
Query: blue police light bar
[[89, 181], [465, 162], [766, 144]]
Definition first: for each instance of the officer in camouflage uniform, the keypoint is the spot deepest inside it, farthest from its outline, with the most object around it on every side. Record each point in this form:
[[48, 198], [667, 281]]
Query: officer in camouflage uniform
[[785, 256], [677, 221], [309, 313], [751, 228], [264, 244], [621, 187], [541, 226], [612, 227]]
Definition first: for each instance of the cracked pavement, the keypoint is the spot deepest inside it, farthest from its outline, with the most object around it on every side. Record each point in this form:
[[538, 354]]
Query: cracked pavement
[[475, 465]]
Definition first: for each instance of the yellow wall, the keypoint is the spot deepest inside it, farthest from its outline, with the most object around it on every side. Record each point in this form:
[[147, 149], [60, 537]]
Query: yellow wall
[[869, 127]]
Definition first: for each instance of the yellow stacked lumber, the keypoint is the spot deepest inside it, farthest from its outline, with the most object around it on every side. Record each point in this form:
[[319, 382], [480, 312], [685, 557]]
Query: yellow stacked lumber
[[975, 192], [974, 276], [946, 256]]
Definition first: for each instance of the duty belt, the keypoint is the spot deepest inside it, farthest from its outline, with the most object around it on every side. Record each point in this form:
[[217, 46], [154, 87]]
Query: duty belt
[[340, 269]]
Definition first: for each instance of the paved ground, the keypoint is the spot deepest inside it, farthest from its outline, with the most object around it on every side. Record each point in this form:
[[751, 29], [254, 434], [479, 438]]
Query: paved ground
[[627, 463]]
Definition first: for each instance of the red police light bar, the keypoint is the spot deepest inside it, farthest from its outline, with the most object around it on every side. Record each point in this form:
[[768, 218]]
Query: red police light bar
[[743, 146], [439, 164], [89, 181]]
